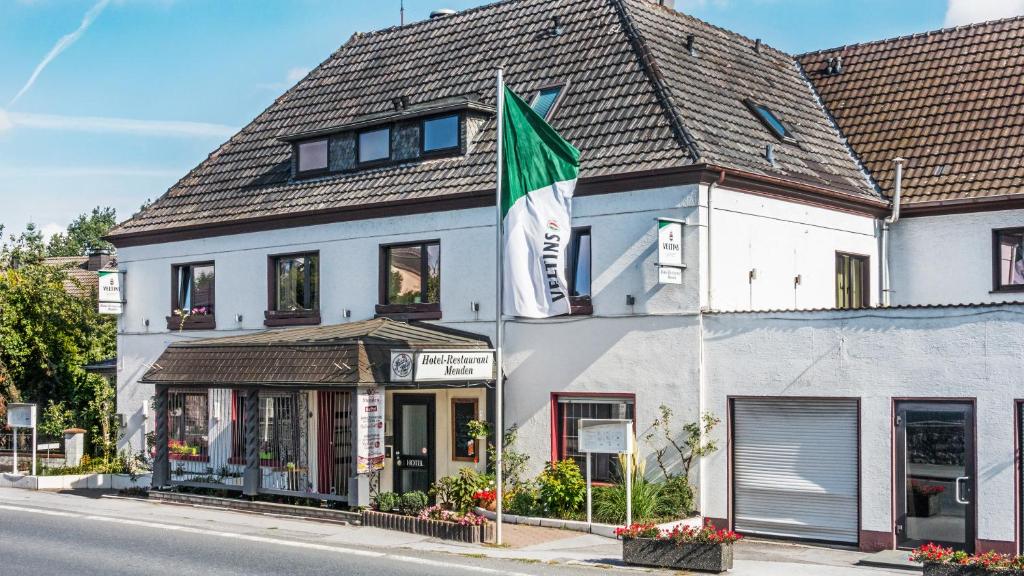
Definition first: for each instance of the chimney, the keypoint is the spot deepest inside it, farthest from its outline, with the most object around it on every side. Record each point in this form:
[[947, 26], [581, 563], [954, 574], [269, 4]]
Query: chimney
[[98, 259], [667, 3], [441, 13]]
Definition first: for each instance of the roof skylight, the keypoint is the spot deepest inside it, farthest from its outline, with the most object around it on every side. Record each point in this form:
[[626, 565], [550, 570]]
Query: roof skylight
[[771, 121], [545, 100]]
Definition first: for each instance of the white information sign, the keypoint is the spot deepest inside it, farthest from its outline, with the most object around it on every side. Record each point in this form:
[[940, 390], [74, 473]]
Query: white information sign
[[370, 448], [434, 366], [670, 275], [21, 415], [670, 242], [606, 436], [110, 300]]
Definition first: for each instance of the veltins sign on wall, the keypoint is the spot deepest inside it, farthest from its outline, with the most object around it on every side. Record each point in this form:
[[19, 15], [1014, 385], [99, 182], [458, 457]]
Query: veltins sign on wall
[[110, 292], [670, 251], [370, 448], [441, 365]]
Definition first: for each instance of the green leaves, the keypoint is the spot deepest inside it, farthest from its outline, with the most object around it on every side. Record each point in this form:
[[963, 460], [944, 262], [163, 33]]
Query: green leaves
[[562, 489]]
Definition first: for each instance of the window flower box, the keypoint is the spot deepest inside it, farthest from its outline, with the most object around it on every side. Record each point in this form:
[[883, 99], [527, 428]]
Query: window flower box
[[942, 561], [704, 549], [446, 530]]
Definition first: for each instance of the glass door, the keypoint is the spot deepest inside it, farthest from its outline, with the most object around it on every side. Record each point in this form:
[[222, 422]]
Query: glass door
[[935, 476], [414, 442]]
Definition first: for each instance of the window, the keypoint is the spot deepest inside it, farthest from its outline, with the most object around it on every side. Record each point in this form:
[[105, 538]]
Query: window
[[852, 288], [375, 145], [313, 156], [440, 133], [1009, 260], [413, 273], [578, 273], [771, 121], [296, 283], [279, 429], [465, 446], [188, 425], [544, 102], [569, 411], [193, 289]]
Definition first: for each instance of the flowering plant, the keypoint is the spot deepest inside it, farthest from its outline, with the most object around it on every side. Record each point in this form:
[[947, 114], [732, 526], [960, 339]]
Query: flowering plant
[[706, 534], [179, 447], [926, 489], [935, 554], [437, 512], [485, 496]]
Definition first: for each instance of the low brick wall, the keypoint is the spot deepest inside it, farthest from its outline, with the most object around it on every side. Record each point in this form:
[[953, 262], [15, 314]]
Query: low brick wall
[[75, 481], [432, 528], [243, 505]]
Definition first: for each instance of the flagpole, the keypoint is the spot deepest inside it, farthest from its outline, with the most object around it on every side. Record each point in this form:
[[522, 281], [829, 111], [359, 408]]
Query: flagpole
[[499, 433]]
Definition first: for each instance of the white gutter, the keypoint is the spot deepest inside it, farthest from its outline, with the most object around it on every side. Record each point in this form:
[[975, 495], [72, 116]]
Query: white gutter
[[889, 221]]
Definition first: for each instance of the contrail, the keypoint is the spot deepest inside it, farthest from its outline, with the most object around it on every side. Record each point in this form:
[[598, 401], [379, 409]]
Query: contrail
[[66, 41]]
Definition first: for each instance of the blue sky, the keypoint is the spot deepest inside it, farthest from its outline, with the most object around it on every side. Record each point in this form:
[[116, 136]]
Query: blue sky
[[109, 102]]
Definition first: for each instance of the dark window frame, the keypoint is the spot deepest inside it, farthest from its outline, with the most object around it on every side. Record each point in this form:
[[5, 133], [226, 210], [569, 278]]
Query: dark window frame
[[376, 161], [420, 311], [314, 171], [455, 436], [755, 109], [275, 317], [579, 305], [558, 448], [997, 282], [865, 278], [447, 151], [207, 322], [563, 88]]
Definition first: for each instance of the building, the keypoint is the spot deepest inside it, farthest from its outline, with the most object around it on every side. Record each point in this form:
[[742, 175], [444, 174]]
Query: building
[[359, 208]]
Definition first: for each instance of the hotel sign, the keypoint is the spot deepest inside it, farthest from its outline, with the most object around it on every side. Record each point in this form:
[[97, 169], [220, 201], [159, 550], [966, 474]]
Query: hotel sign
[[110, 298], [441, 365]]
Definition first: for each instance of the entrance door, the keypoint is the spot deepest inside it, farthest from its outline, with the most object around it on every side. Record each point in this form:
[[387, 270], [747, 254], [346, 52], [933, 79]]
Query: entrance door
[[935, 476], [414, 442]]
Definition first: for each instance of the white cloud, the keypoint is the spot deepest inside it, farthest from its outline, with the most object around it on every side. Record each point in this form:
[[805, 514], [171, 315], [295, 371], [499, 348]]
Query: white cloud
[[967, 11], [63, 44], [5, 121], [105, 125], [51, 229], [296, 74]]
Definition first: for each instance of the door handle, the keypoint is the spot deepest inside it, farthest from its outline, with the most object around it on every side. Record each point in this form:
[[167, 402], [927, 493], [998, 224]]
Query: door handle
[[959, 498]]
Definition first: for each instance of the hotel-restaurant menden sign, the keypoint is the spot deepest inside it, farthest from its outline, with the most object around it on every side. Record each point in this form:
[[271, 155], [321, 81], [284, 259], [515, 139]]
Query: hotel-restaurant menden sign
[[441, 365]]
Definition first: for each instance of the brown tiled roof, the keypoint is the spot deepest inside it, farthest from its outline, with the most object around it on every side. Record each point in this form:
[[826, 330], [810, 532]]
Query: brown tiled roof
[[81, 281], [949, 102], [635, 102], [343, 355]]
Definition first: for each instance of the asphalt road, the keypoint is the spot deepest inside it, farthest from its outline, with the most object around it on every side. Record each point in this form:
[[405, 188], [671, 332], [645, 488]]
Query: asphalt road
[[35, 542]]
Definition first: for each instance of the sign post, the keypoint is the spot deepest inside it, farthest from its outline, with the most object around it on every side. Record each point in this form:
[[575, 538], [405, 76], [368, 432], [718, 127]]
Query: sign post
[[22, 416], [670, 251], [608, 437]]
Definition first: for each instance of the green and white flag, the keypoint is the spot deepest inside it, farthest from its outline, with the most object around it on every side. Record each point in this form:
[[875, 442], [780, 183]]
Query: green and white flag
[[539, 171]]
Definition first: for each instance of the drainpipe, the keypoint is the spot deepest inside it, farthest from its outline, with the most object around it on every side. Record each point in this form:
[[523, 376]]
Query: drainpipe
[[886, 225], [702, 476], [708, 252]]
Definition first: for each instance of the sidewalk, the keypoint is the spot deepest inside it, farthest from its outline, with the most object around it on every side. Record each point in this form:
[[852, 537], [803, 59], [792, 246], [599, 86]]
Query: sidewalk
[[529, 544]]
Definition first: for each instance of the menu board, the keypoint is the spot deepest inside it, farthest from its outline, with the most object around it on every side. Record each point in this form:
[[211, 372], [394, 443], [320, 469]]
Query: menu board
[[370, 411], [466, 447]]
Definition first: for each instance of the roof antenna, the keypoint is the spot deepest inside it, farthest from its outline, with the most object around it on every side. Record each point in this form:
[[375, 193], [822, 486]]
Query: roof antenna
[[401, 12], [690, 39], [757, 45]]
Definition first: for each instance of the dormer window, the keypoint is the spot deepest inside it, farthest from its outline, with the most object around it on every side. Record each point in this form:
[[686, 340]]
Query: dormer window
[[312, 156], [440, 133], [374, 145], [771, 121], [544, 102]]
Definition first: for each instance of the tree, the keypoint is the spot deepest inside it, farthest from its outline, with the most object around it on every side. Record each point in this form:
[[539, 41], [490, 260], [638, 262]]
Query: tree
[[83, 233], [23, 249]]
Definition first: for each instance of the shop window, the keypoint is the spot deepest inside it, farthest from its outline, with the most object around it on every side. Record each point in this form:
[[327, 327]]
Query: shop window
[[569, 410], [294, 289], [411, 281], [1009, 260], [852, 288], [188, 425], [192, 297], [465, 446]]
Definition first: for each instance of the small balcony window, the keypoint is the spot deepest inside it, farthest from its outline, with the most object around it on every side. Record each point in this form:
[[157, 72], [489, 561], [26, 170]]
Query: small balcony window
[[411, 281], [440, 134], [294, 290], [852, 288], [313, 156], [375, 145], [1009, 260], [192, 297]]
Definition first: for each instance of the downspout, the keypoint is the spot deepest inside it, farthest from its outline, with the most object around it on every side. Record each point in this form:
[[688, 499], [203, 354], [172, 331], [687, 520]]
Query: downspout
[[886, 225], [701, 365], [708, 252]]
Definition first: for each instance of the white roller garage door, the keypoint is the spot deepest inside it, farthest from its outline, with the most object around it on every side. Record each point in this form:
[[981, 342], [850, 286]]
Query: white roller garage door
[[795, 468]]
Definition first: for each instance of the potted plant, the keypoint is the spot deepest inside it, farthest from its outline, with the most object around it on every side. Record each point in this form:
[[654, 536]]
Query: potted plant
[[486, 499], [926, 499], [943, 561], [682, 548]]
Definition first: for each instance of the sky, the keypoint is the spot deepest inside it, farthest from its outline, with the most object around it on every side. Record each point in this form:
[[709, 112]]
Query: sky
[[109, 102]]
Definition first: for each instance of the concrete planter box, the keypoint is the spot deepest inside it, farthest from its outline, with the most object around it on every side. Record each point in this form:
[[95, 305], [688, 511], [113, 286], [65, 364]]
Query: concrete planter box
[[669, 554], [938, 569], [433, 528], [76, 482]]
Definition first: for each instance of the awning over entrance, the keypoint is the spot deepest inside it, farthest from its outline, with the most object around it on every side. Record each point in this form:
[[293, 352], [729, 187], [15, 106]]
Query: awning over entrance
[[344, 355]]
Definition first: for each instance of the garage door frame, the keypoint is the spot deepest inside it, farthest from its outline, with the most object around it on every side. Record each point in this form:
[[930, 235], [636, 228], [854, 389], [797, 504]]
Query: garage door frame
[[731, 439]]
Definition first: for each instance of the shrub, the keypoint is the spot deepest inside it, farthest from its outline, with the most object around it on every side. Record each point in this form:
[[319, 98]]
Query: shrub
[[610, 502], [456, 492], [522, 501], [676, 498], [562, 489], [388, 501], [413, 503]]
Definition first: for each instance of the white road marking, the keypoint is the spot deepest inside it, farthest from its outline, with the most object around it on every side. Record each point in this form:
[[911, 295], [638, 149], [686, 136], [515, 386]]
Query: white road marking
[[265, 540]]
